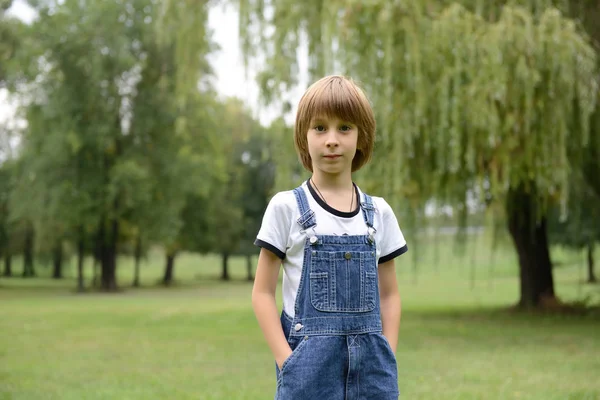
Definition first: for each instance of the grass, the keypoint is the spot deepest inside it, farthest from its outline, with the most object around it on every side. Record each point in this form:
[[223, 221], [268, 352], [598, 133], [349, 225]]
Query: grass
[[199, 339]]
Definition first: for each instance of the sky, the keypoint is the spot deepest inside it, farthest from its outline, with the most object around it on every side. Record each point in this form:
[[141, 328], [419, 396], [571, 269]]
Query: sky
[[228, 63]]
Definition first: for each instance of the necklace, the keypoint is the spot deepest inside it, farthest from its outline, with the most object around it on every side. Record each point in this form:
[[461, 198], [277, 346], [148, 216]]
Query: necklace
[[323, 197]]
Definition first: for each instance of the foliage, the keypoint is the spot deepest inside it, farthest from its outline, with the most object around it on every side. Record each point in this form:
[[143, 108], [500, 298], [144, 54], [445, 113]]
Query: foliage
[[579, 227], [109, 143], [9, 39], [484, 112], [183, 26], [227, 219], [490, 100], [257, 171]]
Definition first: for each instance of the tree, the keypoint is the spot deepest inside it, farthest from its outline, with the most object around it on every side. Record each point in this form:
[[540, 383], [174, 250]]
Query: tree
[[5, 227], [219, 220], [590, 161], [581, 229], [9, 43], [111, 149], [70, 87], [578, 228], [258, 178], [204, 176], [463, 103]]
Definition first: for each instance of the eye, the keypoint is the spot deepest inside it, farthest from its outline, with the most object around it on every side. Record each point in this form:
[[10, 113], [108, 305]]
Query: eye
[[320, 128], [345, 128]]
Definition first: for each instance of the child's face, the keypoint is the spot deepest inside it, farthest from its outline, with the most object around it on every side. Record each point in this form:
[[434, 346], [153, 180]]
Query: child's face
[[332, 144]]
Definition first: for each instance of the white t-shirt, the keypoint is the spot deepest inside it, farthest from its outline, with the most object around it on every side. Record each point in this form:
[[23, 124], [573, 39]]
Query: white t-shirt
[[281, 234]]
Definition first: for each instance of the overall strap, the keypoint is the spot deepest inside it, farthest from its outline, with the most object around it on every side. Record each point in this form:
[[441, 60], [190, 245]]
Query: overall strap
[[307, 216], [368, 210]]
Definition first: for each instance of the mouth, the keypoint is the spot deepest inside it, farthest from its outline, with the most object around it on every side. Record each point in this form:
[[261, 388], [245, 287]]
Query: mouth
[[332, 156]]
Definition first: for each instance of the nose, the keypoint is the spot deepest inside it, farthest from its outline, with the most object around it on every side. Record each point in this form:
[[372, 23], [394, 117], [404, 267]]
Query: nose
[[332, 139]]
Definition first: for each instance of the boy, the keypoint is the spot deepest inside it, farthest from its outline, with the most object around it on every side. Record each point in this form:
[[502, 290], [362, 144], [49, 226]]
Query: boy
[[337, 334]]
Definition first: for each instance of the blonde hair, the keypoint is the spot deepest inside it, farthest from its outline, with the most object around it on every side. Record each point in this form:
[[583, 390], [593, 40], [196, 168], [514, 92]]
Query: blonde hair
[[336, 96]]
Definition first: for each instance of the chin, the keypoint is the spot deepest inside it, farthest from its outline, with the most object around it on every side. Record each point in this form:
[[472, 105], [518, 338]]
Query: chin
[[332, 170]]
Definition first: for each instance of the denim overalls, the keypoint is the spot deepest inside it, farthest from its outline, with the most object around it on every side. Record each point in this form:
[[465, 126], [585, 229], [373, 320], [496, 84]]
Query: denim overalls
[[339, 351]]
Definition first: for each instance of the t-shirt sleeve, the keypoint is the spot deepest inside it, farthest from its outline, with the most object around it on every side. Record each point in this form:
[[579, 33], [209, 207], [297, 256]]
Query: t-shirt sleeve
[[275, 229], [392, 242]]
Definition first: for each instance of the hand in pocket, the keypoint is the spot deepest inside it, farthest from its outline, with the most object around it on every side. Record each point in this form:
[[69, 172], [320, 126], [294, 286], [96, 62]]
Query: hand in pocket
[[280, 361]]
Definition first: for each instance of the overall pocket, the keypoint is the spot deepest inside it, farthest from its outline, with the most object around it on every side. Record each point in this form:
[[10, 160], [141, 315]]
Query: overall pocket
[[343, 281], [289, 362], [386, 345]]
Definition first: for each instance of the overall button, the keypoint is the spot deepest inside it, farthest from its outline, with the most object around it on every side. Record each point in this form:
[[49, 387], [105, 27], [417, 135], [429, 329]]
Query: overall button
[[347, 256], [313, 240], [297, 327]]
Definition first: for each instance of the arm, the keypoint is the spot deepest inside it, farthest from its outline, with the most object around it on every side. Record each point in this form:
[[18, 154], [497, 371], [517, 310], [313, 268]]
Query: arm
[[390, 302], [265, 306]]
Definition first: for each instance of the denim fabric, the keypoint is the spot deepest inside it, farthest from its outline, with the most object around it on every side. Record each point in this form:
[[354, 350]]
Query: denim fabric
[[339, 351]]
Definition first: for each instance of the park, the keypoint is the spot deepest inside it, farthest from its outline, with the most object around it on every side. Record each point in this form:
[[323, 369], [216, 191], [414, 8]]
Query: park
[[132, 190]]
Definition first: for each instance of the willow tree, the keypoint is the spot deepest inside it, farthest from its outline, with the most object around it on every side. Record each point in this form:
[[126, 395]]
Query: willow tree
[[182, 26], [464, 104], [9, 39]]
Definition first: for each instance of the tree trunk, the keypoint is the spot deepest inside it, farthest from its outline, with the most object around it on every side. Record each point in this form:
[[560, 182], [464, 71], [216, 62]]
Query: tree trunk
[[109, 257], [138, 256], [80, 258], [28, 270], [102, 249], [590, 258], [111, 281], [225, 272], [168, 278], [57, 256], [249, 267], [109, 253], [529, 236], [95, 272], [8, 265], [98, 251]]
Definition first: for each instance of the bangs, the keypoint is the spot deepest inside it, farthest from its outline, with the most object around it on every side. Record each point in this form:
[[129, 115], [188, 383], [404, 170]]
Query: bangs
[[336, 98]]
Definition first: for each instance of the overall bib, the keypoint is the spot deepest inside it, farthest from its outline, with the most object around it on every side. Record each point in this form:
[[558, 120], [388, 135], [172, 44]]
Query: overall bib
[[339, 351]]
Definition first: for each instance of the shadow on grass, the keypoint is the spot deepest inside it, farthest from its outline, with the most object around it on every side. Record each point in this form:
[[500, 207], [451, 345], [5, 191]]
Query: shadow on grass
[[571, 311], [19, 287]]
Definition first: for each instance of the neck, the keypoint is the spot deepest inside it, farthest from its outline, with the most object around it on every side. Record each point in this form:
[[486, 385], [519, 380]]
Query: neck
[[336, 182]]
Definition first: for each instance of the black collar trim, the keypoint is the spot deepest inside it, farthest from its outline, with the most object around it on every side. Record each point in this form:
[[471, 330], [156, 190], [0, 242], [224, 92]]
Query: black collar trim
[[332, 210]]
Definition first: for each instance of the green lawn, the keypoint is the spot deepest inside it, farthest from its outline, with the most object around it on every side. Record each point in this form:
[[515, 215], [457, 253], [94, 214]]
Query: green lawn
[[199, 339]]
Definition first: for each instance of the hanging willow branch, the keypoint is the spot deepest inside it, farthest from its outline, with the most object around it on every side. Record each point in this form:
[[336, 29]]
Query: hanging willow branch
[[182, 27], [463, 103]]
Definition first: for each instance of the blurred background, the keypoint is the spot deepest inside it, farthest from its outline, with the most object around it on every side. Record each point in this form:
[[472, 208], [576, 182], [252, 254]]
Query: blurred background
[[141, 141]]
